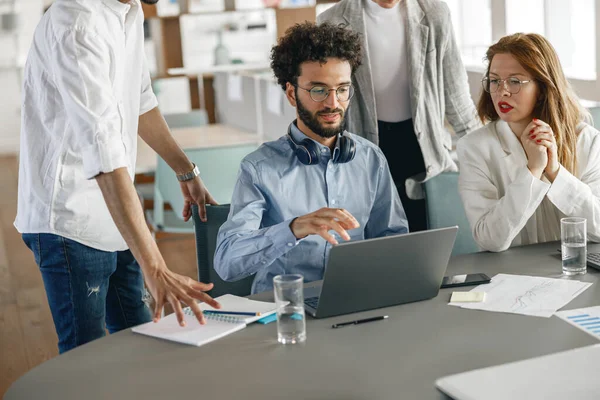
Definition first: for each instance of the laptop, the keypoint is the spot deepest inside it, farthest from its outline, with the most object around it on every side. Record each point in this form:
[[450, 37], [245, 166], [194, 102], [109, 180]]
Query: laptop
[[381, 272]]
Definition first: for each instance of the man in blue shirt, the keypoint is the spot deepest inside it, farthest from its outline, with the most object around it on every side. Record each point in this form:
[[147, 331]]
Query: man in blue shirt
[[296, 196]]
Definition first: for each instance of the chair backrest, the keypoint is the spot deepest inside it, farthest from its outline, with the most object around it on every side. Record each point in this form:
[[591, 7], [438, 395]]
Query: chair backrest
[[445, 208], [595, 113], [206, 244], [218, 166], [187, 120]]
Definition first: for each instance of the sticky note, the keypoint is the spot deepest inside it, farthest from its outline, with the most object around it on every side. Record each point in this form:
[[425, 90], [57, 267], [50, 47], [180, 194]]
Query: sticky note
[[467, 297]]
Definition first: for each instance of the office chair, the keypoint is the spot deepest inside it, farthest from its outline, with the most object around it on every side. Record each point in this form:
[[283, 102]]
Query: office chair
[[206, 244], [445, 208]]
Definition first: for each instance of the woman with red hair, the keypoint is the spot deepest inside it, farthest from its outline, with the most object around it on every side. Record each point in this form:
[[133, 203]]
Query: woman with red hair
[[536, 161]]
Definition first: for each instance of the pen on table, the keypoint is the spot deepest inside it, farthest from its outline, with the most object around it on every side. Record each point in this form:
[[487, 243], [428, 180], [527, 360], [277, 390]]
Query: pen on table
[[231, 312], [360, 321]]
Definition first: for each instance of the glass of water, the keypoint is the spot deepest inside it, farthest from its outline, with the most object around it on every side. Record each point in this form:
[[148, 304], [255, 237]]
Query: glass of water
[[573, 234], [289, 297]]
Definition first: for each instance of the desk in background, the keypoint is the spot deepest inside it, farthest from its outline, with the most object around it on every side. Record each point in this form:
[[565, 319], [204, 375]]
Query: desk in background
[[198, 137], [399, 358]]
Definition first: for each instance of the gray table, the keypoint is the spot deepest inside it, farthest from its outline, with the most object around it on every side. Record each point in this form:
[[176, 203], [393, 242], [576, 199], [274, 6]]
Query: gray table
[[397, 358]]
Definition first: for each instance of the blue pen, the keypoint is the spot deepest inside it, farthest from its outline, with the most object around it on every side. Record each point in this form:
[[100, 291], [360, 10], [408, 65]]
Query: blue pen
[[253, 314]]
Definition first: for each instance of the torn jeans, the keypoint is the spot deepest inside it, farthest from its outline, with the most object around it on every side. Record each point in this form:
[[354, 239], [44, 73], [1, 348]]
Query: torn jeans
[[88, 290]]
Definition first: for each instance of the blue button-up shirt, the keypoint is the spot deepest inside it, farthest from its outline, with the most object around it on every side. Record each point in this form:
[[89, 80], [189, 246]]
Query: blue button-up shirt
[[274, 187]]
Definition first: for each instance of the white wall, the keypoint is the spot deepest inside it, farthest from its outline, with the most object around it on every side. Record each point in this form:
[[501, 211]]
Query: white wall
[[13, 50]]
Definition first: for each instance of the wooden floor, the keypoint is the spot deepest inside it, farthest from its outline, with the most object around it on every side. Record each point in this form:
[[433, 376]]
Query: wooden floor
[[27, 336]]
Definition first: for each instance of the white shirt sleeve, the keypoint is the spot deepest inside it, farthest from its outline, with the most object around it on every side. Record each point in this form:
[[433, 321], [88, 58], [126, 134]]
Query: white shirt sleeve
[[581, 197], [148, 99], [81, 69], [495, 220]]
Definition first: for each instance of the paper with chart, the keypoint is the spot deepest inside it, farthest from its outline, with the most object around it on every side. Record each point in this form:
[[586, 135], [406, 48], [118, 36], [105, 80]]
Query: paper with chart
[[527, 295], [586, 319]]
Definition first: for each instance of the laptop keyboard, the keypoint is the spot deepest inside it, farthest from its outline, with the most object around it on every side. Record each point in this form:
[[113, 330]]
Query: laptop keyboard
[[593, 260], [312, 302]]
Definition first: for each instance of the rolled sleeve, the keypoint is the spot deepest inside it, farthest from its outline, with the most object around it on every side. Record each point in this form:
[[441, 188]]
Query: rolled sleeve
[[102, 157], [81, 67], [148, 99]]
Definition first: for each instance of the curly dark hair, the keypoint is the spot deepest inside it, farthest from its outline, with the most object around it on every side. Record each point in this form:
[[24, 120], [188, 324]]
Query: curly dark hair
[[310, 42]]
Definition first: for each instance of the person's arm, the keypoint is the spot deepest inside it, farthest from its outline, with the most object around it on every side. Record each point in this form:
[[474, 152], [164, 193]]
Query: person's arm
[[81, 69], [581, 197], [495, 221], [244, 246], [164, 285], [387, 216], [154, 131], [460, 110]]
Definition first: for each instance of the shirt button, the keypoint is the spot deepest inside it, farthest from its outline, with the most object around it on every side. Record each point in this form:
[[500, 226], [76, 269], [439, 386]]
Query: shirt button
[[332, 201], [429, 169], [290, 244], [323, 150]]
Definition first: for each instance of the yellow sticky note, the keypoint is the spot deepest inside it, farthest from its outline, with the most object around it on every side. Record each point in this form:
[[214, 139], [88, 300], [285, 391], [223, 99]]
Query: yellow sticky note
[[467, 297]]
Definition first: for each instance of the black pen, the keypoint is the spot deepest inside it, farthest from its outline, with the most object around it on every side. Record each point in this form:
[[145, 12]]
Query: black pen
[[360, 321]]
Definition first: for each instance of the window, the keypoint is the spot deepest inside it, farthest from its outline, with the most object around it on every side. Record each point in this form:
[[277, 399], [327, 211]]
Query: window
[[471, 20], [570, 26]]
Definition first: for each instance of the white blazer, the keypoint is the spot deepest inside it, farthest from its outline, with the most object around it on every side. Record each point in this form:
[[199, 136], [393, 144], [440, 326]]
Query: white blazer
[[507, 206]]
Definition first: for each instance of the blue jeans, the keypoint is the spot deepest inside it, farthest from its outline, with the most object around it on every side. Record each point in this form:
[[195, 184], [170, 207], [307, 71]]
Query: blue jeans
[[88, 290]]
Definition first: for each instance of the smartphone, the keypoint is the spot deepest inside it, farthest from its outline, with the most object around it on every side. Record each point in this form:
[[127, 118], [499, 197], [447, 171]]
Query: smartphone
[[464, 280]]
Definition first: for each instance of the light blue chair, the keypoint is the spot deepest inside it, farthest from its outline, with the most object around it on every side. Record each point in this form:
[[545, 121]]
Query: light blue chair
[[445, 208], [218, 169], [174, 121], [187, 120], [595, 113]]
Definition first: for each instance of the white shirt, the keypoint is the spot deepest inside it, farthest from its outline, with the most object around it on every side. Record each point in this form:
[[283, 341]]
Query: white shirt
[[388, 58], [507, 206], [86, 83]]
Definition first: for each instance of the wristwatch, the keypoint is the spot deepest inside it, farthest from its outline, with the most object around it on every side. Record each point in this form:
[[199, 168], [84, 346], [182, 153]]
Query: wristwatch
[[188, 176]]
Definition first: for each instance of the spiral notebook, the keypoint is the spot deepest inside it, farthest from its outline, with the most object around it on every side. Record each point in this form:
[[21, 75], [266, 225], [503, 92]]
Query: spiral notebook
[[217, 325]]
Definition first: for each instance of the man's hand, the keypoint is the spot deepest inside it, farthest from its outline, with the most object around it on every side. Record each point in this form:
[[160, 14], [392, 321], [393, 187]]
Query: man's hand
[[322, 221], [164, 285], [167, 286], [194, 192]]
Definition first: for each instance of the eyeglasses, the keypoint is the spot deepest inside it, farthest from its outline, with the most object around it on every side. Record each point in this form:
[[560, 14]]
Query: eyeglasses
[[513, 85], [320, 93]]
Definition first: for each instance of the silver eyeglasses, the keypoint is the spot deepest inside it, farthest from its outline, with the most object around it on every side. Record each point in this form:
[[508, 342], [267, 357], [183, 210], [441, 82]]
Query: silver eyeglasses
[[320, 93], [513, 85]]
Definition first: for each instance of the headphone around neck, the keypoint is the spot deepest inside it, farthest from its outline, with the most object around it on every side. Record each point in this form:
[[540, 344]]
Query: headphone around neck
[[307, 150]]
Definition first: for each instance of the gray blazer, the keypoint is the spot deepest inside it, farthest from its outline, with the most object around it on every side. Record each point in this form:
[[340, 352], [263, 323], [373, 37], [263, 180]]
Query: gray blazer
[[439, 86]]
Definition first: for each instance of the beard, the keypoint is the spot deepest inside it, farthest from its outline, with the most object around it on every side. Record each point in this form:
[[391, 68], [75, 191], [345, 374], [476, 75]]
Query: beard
[[149, 2], [312, 122]]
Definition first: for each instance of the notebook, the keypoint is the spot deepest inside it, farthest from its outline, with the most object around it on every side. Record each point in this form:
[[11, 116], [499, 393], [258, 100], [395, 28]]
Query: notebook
[[571, 374], [217, 325]]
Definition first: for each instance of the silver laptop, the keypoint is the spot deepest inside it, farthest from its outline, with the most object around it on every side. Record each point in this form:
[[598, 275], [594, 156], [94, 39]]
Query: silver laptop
[[382, 272]]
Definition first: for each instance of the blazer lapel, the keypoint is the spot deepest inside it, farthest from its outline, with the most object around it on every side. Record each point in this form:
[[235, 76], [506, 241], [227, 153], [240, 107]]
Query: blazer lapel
[[417, 35], [353, 14], [515, 157]]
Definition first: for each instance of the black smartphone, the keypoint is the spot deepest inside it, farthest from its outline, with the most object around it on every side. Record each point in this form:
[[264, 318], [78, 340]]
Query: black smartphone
[[464, 280]]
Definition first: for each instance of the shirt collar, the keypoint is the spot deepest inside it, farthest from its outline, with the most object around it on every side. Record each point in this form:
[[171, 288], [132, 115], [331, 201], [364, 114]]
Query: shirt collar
[[119, 8], [298, 136]]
